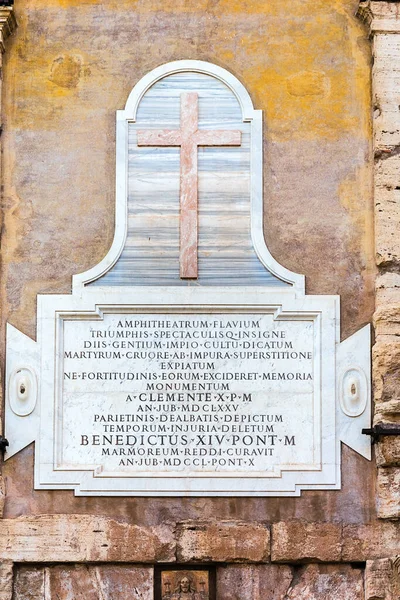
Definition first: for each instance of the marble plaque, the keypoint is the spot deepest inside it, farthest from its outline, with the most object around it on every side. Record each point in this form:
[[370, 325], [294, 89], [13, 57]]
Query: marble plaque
[[188, 361], [189, 393]]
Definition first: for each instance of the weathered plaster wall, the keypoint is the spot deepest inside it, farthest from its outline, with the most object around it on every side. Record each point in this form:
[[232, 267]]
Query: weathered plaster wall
[[70, 65]]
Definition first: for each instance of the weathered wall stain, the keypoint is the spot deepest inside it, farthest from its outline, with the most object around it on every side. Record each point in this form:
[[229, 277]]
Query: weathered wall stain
[[308, 83], [66, 71]]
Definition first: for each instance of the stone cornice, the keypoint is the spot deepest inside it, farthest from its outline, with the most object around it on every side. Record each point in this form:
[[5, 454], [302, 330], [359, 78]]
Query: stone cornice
[[364, 12], [7, 24], [381, 16]]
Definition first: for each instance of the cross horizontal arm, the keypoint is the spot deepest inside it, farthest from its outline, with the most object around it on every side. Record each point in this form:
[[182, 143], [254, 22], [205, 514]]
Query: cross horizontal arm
[[160, 137], [218, 137]]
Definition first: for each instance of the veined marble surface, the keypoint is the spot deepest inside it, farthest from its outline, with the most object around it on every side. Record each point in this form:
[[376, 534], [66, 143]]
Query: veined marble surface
[[225, 251]]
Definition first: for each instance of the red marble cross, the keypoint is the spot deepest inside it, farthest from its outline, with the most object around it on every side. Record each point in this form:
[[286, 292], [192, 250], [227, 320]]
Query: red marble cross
[[188, 137]]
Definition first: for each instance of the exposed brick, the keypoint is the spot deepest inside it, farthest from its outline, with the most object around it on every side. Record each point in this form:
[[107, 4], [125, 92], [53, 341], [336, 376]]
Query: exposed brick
[[225, 541]]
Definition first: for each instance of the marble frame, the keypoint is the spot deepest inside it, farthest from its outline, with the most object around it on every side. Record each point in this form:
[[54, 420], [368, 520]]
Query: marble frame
[[257, 211]]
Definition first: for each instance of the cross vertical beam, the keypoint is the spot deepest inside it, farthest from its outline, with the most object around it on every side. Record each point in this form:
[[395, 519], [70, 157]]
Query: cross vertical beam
[[189, 188]]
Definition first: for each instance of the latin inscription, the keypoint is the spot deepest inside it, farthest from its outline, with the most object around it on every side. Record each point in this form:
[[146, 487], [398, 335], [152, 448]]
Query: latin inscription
[[189, 393]]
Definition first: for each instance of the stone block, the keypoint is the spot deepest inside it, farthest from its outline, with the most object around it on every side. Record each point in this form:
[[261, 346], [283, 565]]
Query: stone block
[[388, 493], [76, 582], [387, 126], [378, 539], [387, 412], [382, 579], [386, 175], [386, 48], [386, 372], [387, 451], [82, 538], [253, 582], [387, 319], [123, 582], [29, 583], [2, 495], [378, 579], [383, 10], [315, 582], [385, 80], [387, 216], [225, 541], [79, 582], [387, 289], [396, 577], [6, 580], [296, 541]]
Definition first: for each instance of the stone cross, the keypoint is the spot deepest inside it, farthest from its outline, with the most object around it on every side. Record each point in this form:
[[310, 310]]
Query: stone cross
[[188, 137]]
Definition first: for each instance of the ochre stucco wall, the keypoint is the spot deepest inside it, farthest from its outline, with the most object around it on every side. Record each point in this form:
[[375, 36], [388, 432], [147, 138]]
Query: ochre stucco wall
[[71, 64]]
